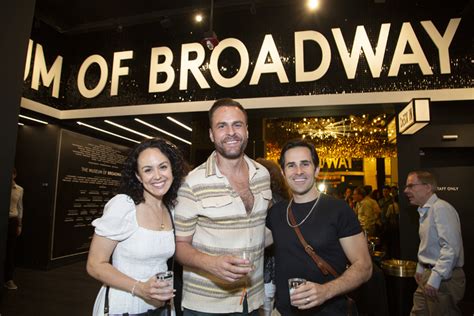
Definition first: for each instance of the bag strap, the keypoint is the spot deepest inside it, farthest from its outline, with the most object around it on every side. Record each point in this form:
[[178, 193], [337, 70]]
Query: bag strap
[[106, 302], [320, 262], [325, 267]]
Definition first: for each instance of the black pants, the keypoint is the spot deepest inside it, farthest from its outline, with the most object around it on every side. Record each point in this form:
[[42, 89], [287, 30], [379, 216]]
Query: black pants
[[11, 244]]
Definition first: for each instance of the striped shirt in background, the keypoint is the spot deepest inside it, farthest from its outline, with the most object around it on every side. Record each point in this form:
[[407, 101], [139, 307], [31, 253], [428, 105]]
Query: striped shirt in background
[[213, 213]]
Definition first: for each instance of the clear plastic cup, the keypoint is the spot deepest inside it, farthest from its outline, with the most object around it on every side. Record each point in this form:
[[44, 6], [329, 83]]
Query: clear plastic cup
[[166, 276], [247, 255], [294, 283]]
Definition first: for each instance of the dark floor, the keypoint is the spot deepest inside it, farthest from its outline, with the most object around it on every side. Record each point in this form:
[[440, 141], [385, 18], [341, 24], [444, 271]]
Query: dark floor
[[67, 290]]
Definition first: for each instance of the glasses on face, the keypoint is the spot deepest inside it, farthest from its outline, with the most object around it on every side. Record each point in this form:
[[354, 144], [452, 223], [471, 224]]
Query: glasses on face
[[411, 185]]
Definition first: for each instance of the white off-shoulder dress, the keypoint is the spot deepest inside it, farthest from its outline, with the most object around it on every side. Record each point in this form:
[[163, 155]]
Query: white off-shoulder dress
[[140, 253]]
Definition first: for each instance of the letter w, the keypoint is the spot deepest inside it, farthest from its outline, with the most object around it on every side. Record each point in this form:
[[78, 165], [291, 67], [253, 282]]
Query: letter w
[[362, 43]]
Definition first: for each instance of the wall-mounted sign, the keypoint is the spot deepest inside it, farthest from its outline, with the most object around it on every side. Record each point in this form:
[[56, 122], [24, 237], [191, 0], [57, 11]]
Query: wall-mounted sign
[[341, 164], [88, 176], [414, 116], [318, 60]]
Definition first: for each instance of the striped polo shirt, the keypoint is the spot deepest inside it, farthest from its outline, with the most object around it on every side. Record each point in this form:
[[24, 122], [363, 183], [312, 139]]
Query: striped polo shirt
[[213, 213]]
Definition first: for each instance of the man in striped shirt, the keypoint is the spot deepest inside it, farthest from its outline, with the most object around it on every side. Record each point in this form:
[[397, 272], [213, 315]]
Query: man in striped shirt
[[220, 216]]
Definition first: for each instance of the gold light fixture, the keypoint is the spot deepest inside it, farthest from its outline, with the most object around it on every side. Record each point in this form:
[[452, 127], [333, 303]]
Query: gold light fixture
[[355, 136]]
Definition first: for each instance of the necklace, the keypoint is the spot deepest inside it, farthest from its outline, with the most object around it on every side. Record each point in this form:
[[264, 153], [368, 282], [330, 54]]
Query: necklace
[[304, 219], [161, 218], [162, 226]]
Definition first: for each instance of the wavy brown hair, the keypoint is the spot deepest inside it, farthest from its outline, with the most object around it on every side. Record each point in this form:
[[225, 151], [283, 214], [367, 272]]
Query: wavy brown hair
[[132, 187]]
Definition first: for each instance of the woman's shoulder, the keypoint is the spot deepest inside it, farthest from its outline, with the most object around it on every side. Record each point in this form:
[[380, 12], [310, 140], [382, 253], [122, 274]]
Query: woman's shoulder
[[118, 220], [120, 204]]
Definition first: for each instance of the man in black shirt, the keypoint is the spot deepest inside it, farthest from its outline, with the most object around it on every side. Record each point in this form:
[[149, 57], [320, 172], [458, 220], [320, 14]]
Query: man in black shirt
[[329, 226]]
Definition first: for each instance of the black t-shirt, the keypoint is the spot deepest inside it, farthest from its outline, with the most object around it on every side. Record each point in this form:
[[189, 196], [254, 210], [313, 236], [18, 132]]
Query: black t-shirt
[[331, 220]]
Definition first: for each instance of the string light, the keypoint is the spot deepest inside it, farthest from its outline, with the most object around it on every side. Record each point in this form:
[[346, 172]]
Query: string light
[[355, 137]]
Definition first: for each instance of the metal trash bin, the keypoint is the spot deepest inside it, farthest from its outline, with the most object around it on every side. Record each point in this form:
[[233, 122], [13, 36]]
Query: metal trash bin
[[401, 285]]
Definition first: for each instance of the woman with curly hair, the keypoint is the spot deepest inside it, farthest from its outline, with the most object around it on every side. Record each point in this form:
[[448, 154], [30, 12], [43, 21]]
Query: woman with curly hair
[[136, 231]]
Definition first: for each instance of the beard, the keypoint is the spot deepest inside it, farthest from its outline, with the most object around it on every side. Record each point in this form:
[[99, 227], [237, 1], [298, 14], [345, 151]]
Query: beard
[[233, 153]]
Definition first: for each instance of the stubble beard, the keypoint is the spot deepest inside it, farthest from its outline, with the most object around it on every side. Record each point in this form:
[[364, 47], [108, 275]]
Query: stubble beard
[[305, 191], [232, 154]]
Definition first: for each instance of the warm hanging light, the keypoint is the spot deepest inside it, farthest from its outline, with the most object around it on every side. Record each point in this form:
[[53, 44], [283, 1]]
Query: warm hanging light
[[313, 4]]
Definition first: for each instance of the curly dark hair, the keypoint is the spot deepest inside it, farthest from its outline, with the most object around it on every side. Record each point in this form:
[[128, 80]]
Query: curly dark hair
[[132, 187], [280, 190]]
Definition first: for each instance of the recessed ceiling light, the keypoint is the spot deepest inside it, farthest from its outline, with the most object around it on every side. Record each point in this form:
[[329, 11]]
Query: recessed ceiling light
[[179, 123], [127, 129], [107, 132], [163, 131], [33, 119]]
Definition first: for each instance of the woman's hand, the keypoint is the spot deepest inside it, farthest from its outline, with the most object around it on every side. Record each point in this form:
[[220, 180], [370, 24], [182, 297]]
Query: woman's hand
[[155, 292]]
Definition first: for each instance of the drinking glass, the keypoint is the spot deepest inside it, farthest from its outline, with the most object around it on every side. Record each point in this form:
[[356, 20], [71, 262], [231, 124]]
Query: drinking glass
[[166, 276], [294, 283]]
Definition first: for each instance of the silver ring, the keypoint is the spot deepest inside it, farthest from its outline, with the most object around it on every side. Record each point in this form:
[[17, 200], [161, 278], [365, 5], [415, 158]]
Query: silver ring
[[307, 300]]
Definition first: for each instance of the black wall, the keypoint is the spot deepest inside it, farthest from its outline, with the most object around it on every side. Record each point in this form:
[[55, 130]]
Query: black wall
[[452, 162], [52, 215], [36, 161], [15, 22]]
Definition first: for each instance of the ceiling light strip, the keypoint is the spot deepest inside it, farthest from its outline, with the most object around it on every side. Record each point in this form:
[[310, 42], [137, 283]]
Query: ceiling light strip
[[163, 131], [179, 123], [21, 124], [107, 132], [127, 129], [33, 119]]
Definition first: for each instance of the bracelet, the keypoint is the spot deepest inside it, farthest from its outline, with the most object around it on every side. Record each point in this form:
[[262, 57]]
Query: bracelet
[[134, 287]]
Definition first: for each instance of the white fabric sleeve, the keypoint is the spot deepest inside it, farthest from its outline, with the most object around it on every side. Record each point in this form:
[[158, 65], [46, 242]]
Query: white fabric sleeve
[[119, 219]]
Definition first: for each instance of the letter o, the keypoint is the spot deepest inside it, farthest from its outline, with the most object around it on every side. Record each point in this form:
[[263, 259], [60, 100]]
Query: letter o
[[104, 72], [244, 63]]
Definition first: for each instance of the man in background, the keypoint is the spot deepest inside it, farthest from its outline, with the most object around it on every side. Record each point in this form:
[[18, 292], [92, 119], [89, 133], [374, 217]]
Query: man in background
[[439, 274], [365, 211], [384, 202], [15, 217]]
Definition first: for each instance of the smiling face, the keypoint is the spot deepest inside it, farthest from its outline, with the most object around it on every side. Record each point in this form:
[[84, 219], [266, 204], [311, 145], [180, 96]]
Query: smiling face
[[229, 132], [154, 172], [417, 192], [300, 173]]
